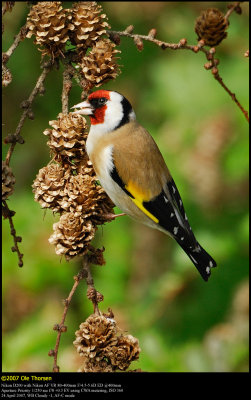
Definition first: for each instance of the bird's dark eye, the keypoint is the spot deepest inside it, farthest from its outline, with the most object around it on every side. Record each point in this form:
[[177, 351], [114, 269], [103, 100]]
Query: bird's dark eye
[[102, 101]]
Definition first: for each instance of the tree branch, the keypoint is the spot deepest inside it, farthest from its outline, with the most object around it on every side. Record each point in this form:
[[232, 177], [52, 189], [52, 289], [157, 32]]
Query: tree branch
[[27, 105], [61, 327], [182, 45], [7, 213], [92, 294]]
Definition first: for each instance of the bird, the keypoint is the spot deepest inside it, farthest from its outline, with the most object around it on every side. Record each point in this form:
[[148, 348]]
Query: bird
[[132, 171]]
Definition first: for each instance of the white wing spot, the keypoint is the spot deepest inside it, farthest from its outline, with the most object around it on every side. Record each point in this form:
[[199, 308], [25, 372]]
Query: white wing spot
[[182, 238], [172, 214], [193, 259], [166, 200], [208, 270], [174, 190], [197, 249], [185, 217], [175, 230], [211, 264], [181, 202]]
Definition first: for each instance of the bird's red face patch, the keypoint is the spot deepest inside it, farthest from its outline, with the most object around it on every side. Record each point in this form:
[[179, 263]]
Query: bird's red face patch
[[99, 110]]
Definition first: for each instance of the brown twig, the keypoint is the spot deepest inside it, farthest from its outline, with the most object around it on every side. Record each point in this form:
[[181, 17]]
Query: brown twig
[[182, 45], [27, 105], [7, 213], [217, 76], [61, 327], [92, 294], [67, 85], [18, 38], [232, 8]]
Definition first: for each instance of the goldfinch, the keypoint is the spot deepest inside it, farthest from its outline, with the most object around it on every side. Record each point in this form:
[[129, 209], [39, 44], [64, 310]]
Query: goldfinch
[[133, 172]]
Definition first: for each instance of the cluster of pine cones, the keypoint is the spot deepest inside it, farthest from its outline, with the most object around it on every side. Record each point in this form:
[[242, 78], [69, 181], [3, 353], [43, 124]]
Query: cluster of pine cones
[[67, 186], [103, 349], [83, 27]]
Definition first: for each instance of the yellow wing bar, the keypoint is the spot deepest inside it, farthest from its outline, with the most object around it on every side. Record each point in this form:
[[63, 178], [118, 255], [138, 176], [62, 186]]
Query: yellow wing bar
[[139, 198]]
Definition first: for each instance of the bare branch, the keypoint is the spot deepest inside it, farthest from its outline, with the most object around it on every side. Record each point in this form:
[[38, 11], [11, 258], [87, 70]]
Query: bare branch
[[7, 213], [61, 327], [47, 67], [182, 45], [18, 38]]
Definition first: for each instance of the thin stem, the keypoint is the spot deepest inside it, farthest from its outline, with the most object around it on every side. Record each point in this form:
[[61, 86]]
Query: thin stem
[[29, 102], [232, 95], [18, 38], [7, 213], [67, 85], [84, 273], [91, 291], [60, 327], [232, 9], [182, 45]]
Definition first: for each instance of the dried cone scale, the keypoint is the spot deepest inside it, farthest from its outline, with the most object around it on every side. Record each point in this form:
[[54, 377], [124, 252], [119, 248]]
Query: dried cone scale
[[210, 26], [102, 347], [50, 24], [49, 185], [88, 22], [126, 350], [95, 334], [72, 235], [67, 138], [84, 197], [100, 65]]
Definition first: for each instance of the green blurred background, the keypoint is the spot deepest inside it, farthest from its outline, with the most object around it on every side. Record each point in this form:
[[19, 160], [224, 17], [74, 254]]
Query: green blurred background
[[182, 323]]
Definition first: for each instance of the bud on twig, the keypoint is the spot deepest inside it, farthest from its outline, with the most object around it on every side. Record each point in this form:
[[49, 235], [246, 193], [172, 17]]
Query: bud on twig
[[238, 10], [20, 139], [215, 71], [183, 41], [25, 104], [129, 29], [208, 65], [139, 43], [30, 114], [152, 33]]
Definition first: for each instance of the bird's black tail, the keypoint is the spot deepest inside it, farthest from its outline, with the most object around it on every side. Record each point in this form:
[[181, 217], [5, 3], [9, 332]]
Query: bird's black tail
[[200, 258]]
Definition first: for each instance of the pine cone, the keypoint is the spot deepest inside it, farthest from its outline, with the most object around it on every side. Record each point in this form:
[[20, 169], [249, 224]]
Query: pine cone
[[210, 26], [88, 22], [100, 65], [67, 138], [94, 335], [49, 22], [8, 181], [72, 235], [92, 365], [48, 186], [124, 352], [84, 197]]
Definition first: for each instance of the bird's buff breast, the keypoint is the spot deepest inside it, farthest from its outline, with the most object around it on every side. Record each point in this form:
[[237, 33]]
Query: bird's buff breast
[[103, 165]]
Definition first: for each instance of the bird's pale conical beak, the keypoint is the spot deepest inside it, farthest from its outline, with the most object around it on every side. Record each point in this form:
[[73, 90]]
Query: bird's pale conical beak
[[84, 108]]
